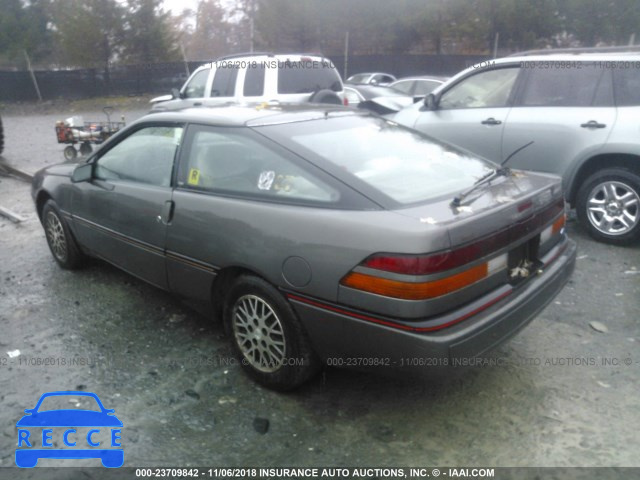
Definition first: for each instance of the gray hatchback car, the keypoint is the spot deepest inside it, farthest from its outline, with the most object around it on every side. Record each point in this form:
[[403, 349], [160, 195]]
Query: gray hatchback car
[[580, 113], [318, 233]]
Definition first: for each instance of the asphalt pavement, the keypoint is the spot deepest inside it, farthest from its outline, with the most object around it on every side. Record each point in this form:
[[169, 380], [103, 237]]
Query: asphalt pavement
[[564, 392]]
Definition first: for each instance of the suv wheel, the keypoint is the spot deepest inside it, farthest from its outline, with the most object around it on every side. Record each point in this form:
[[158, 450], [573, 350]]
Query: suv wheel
[[608, 206], [267, 336]]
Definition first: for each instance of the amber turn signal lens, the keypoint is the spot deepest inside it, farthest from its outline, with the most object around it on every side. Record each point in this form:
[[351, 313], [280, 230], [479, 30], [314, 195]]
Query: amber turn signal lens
[[559, 224], [415, 290]]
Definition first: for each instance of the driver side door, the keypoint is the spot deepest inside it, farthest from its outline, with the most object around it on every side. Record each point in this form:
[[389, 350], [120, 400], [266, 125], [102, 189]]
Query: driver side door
[[121, 215]]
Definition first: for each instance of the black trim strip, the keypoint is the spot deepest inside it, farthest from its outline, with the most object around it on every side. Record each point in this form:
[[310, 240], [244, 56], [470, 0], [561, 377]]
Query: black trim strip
[[417, 327], [192, 262], [124, 238]]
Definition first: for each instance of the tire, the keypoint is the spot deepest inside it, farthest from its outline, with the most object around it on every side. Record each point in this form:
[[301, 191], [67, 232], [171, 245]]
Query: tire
[[70, 153], [1, 137], [325, 96], [266, 335], [608, 206], [63, 246], [85, 149]]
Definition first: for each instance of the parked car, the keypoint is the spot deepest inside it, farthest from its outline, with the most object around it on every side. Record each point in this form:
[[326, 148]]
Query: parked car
[[381, 100], [580, 109], [418, 87], [319, 233], [259, 77], [371, 78]]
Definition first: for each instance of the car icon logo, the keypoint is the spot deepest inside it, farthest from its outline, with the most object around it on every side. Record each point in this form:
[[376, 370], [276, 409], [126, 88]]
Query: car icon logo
[[82, 433]]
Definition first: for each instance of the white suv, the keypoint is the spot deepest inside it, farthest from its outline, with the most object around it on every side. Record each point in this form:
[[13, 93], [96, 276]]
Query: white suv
[[261, 77], [580, 112]]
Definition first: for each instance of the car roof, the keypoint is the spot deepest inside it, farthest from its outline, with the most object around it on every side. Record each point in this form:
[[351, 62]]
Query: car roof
[[624, 50], [534, 56], [271, 55], [238, 115], [263, 57], [588, 56]]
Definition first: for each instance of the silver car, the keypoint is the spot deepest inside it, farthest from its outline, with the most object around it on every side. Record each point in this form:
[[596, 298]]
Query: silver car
[[319, 234], [579, 114], [371, 78]]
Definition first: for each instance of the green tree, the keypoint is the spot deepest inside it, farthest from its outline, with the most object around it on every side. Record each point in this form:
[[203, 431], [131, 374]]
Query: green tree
[[149, 37], [88, 32], [211, 36], [595, 22], [23, 27]]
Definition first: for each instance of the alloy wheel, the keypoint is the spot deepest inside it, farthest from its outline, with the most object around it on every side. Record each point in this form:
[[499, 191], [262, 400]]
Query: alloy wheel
[[612, 208], [56, 236], [259, 333]]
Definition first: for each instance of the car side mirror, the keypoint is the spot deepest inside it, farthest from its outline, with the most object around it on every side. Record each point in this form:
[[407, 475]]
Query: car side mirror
[[175, 93], [82, 173], [431, 102]]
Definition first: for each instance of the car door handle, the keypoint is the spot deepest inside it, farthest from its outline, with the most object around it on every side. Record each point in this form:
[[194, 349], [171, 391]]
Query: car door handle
[[593, 124], [166, 214], [491, 121]]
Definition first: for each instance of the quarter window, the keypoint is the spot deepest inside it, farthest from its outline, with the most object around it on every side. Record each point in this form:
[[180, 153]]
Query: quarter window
[[229, 162], [488, 89], [196, 86], [145, 156], [307, 77]]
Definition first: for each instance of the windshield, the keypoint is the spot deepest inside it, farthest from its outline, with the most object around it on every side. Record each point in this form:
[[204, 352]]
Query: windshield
[[400, 163], [69, 402]]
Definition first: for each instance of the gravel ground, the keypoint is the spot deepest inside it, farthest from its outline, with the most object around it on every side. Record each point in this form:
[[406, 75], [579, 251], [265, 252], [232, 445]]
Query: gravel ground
[[564, 392]]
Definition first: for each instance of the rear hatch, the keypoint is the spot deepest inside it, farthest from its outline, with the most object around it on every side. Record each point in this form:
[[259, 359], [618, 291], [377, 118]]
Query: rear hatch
[[504, 234]]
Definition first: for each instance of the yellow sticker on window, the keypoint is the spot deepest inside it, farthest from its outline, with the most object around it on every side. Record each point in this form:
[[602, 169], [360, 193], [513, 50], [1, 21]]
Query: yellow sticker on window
[[194, 176]]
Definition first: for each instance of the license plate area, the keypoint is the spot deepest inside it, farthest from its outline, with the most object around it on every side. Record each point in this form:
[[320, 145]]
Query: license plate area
[[523, 261]]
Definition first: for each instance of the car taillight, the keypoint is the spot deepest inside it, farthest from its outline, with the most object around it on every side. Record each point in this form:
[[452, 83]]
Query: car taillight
[[557, 227], [345, 102], [422, 290], [398, 271]]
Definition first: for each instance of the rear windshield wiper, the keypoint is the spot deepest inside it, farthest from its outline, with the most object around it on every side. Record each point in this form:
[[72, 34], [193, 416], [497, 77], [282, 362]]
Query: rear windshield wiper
[[487, 178]]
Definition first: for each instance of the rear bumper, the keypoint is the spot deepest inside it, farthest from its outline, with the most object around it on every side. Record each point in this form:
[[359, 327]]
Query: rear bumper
[[354, 339], [28, 458]]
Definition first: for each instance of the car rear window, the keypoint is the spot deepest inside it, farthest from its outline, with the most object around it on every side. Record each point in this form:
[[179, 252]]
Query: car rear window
[[402, 164], [307, 77]]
